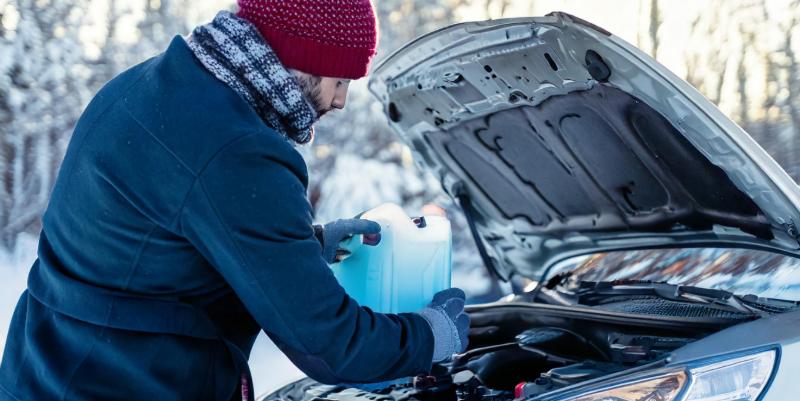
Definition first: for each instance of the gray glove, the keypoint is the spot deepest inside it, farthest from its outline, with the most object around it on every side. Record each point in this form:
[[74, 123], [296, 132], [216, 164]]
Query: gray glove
[[337, 231], [449, 323]]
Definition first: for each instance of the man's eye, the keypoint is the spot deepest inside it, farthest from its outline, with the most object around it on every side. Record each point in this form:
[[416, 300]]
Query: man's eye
[[338, 83]]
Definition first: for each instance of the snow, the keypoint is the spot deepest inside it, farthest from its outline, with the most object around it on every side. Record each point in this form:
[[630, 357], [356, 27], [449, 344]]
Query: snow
[[357, 184], [271, 369], [13, 274], [472, 281]]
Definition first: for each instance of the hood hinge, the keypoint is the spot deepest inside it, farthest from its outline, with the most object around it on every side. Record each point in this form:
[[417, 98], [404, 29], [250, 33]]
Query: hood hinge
[[791, 229]]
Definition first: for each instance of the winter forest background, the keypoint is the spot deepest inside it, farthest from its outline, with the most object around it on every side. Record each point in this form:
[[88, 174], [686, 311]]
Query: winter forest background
[[55, 54]]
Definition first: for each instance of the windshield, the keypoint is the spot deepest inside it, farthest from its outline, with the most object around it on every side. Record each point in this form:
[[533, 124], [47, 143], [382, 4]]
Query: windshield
[[740, 271]]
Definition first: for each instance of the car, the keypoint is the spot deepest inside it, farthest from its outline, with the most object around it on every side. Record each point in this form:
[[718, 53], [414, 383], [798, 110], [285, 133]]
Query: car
[[660, 239]]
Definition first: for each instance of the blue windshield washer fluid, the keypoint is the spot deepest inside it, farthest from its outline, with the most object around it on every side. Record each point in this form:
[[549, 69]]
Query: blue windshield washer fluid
[[400, 269]]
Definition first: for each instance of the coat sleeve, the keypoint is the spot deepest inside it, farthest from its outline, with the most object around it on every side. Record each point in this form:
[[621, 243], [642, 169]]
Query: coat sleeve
[[248, 214]]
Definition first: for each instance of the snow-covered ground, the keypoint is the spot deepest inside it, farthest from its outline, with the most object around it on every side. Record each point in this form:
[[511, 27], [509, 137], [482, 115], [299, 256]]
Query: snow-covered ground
[[270, 368], [13, 275]]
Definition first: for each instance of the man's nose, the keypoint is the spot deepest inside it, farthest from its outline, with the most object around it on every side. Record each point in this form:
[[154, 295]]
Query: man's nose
[[339, 101], [340, 97]]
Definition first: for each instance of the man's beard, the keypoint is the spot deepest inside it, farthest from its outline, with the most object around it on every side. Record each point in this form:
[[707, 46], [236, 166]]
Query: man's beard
[[310, 86]]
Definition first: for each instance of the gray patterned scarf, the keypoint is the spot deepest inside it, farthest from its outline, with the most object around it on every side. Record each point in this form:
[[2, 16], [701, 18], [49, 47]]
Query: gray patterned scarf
[[234, 51]]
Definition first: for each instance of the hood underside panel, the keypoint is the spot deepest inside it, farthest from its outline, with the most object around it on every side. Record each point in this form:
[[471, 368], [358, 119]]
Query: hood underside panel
[[595, 160], [560, 139]]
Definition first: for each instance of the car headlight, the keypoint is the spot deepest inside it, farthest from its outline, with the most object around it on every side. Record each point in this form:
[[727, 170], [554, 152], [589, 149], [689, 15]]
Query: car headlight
[[736, 379]]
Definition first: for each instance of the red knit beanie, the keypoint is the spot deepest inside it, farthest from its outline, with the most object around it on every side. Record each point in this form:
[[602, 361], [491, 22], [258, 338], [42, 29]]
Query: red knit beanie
[[326, 38]]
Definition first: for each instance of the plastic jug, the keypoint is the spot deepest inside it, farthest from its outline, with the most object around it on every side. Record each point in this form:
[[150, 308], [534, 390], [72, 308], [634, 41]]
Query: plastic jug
[[400, 269]]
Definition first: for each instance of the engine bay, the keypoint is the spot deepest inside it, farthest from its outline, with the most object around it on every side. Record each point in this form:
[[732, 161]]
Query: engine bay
[[521, 348]]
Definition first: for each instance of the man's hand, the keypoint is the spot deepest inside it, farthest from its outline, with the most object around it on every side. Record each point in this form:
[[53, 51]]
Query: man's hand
[[450, 326], [337, 231], [449, 323]]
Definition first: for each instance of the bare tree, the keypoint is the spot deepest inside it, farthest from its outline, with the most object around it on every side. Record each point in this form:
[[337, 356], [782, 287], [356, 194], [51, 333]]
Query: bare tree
[[770, 80], [707, 62], [742, 76], [501, 5], [655, 24], [41, 94], [792, 103], [111, 55], [692, 59]]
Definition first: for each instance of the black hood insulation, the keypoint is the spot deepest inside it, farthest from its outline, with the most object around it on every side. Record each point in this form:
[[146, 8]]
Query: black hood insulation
[[595, 160]]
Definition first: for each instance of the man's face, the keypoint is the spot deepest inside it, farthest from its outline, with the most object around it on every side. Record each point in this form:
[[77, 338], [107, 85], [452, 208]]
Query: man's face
[[325, 93]]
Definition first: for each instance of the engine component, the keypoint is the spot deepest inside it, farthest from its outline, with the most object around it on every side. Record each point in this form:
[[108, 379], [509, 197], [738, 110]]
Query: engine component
[[529, 389], [573, 374], [564, 376], [469, 387], [632, 349], [570, 345], [439, 380]]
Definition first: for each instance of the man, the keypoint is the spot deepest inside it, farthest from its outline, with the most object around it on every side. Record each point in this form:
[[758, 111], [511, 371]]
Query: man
[[179, 226]]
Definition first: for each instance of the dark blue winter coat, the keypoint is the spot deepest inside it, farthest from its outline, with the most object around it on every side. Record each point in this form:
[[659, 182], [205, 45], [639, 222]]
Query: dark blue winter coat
[[178, 228]]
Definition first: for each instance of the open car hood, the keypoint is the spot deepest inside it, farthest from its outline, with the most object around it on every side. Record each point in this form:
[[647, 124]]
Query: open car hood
[[561, 139]]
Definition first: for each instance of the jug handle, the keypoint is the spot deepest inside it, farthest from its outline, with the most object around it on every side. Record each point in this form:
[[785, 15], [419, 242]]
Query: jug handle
[[352, 244]]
